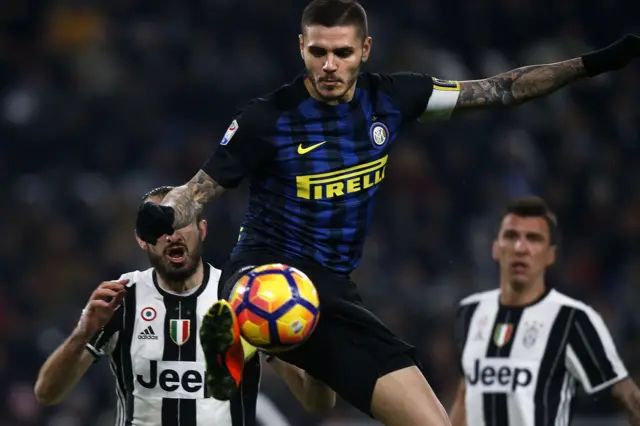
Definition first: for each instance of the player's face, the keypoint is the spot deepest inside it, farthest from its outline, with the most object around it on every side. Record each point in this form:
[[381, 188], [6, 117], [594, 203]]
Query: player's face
[[176, 257], [332, 57], [523, 249]]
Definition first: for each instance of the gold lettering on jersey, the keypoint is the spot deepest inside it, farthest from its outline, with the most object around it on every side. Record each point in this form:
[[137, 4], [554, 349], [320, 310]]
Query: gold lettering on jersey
[[341, 182]]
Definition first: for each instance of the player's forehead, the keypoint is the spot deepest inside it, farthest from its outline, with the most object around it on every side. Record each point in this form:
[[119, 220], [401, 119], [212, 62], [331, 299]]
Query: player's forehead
[[524, 225], [331, 37]]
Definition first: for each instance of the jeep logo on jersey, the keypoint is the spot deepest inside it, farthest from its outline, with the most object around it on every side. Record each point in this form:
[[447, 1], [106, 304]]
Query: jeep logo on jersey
[[171, 379], [506, 376]]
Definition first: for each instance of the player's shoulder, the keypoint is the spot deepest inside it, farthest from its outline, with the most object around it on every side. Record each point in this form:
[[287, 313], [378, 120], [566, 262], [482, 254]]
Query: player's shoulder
[[390, 81], [273, 104], [562, 299], [481, 296], [138, 278]]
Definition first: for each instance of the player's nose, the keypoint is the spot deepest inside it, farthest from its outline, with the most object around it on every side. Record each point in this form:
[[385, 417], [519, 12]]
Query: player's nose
[[521, 246], [330, 64]]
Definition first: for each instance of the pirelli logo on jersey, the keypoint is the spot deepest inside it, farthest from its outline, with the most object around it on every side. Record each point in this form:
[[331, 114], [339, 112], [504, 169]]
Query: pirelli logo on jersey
[[341, 182]]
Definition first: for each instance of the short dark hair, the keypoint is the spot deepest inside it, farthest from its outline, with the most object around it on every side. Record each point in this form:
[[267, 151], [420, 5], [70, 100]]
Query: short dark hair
[[334, 13], [533, 206], [160, 191]]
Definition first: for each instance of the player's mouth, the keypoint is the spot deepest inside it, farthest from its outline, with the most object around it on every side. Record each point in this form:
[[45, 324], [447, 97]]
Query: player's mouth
[[177, 254], [519, 267], [330, 83]]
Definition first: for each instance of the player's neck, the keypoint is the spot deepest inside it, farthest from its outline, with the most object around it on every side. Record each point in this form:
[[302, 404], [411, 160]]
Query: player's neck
[[511, 295], [183, 286], [348, 96]]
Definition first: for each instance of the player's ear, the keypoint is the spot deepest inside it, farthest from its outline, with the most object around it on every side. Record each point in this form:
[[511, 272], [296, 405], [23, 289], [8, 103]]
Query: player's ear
[[551, 257], [202, 227], [301, 40], [366, 49], [495, 251], [142, 244]]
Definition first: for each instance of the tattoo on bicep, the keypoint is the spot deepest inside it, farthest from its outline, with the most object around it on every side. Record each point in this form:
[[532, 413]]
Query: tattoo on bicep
[[519, 85], [188, 200]]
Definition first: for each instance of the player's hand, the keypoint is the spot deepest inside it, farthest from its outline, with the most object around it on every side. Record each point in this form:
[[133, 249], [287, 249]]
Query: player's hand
[[103, 302], [154, 221], [612, 57]]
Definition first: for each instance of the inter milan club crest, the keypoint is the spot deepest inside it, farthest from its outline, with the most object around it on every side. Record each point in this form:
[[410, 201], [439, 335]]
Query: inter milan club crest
[[379, 134], [502, 334], [179, 331]]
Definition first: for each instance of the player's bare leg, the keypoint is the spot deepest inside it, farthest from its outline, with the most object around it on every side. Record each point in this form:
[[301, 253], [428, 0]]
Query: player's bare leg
[[223, 351], [404, 398]]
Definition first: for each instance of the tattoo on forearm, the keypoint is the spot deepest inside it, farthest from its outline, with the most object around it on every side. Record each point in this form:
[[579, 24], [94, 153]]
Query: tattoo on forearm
[[189, 199], [519, 85]]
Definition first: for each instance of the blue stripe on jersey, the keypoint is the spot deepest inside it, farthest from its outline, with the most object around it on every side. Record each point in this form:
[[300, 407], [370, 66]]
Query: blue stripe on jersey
[[330, 223]]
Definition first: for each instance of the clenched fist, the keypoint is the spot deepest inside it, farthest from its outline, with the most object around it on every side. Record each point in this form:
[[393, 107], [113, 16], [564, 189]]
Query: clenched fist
[[103, 302]]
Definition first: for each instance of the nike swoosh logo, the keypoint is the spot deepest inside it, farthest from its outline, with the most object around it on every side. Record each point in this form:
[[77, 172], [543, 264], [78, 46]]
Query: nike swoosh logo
[[302, 150]]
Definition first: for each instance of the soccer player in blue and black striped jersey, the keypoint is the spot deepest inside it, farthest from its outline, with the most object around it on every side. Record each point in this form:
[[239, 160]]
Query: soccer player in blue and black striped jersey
[[315, 152]]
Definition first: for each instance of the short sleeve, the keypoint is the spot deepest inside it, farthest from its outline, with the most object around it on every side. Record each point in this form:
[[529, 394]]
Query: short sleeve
[[461, 328], [409, 91], [591, 355], [245, 146], [104, 341]]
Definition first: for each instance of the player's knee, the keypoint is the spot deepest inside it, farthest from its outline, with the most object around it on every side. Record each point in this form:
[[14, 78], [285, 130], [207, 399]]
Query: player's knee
[[404, 398]]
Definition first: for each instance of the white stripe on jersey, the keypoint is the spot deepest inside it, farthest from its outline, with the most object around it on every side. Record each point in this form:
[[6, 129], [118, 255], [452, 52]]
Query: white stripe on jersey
[[158, 361], [521, 365]]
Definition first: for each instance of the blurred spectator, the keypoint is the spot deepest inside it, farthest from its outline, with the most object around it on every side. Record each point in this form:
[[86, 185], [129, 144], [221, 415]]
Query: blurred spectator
[[103, 100]]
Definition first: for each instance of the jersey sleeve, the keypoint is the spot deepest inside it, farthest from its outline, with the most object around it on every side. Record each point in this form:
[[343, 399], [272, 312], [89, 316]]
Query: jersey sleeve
[[591, 355], [420, 96], [103, 342], [461, 328], [246, 145]]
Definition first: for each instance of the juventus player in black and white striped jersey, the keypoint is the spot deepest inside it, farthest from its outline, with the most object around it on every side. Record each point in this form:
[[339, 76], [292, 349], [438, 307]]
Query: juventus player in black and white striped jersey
[[524, 348], [147, 322]]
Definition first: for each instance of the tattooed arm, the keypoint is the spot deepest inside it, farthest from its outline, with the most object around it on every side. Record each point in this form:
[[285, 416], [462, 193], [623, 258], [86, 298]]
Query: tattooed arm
[[628, 395], [189, 199], [519, 85]]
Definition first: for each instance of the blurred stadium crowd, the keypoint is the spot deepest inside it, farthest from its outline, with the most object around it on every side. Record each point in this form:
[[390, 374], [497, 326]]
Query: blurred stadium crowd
[[103, 100]]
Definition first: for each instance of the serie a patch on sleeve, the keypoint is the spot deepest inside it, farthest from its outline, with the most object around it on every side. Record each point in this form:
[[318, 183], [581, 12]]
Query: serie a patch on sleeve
[[233, 128], [445, 84]]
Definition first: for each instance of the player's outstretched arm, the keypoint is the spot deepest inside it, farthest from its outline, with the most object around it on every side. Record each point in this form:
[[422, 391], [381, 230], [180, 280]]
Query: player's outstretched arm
[[531, 82], [314, 395], [458, 412], [189, 199], [628, 395]]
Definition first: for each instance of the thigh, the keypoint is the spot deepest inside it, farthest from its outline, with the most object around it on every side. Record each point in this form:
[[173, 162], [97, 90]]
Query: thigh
[[349, 351]]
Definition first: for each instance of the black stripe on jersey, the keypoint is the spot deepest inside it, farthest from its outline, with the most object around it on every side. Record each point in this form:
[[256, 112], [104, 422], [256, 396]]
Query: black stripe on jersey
[[461, 328], [243, 404], [552, 369], [177, 411], [121, 358], [496, 411], [587, 344]]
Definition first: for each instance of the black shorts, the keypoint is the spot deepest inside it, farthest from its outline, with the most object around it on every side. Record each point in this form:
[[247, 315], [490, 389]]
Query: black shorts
[[350, 347]]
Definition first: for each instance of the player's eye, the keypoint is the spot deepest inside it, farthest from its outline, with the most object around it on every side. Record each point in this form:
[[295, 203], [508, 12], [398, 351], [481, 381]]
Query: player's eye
[[510, 235], [317, 52], [344, 52]]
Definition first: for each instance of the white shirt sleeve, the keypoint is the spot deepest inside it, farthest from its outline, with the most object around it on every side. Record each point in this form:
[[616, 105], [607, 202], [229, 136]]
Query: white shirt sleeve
[[591, 355]]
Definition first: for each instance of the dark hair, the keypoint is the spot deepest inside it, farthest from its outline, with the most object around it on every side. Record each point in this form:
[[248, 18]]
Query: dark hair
[[534, 207], [160, 191], [334, 13]]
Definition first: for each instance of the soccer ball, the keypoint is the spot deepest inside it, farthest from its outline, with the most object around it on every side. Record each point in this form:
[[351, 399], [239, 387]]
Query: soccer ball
[[277, 307]]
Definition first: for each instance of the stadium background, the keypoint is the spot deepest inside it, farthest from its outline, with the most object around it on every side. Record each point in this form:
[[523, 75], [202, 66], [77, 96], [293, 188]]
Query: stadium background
[[103, 100]]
